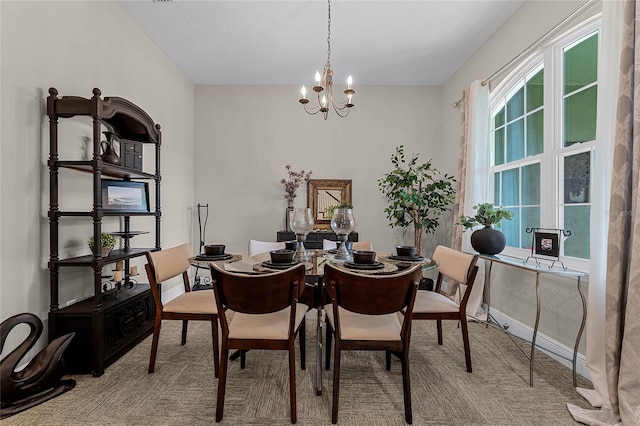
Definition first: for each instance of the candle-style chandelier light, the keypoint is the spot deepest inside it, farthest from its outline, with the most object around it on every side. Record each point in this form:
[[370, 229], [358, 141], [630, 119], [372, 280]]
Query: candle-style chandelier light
[[324, 86]]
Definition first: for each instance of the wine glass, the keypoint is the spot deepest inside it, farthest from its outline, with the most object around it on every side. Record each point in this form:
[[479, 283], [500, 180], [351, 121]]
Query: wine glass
[[342, 224], [301, 224]]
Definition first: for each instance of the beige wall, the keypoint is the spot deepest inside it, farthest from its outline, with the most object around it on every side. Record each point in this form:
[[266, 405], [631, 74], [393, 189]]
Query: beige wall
[[76, 46], [246, 135]]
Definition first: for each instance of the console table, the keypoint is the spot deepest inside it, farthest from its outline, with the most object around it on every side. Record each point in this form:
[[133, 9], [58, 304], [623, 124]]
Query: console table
[[538, 270], [314, 238]]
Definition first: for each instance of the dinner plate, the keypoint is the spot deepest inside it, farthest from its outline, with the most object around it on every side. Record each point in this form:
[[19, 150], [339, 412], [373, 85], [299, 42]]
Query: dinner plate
[[270, 264], [214, 257], [364, 266], [407, 258]]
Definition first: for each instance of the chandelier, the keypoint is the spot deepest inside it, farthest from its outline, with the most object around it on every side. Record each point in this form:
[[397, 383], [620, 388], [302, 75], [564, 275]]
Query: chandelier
[[324, 86]]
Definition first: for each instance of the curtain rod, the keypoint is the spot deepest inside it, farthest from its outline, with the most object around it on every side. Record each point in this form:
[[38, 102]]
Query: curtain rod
[[538, 41]]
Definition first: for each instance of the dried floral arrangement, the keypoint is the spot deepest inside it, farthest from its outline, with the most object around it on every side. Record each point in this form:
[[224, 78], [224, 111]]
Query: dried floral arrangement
[[292, 182]]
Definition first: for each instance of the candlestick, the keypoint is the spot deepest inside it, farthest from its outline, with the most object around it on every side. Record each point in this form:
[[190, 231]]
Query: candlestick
[[133, 271], [117, 276], [119, 265]]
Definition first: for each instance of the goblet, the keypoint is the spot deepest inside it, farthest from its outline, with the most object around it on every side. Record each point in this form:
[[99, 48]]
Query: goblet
[[342, 224], [301, 224]]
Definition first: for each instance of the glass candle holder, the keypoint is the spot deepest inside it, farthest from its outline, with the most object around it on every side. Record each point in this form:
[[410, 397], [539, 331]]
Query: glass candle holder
[[342, 223], [301, 224]]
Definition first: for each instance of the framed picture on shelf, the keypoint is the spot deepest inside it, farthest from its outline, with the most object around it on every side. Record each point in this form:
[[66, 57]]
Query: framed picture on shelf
[[545, 244], [125, 196]]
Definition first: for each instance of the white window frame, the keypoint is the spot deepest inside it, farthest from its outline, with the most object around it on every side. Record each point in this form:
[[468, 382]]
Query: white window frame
[[551, 159]]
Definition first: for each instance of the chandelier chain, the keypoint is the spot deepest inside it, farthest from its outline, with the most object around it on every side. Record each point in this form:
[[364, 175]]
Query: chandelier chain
[[329, 36]]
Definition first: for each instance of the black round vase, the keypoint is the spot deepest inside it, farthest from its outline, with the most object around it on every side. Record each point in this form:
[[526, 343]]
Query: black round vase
[[488, 241]]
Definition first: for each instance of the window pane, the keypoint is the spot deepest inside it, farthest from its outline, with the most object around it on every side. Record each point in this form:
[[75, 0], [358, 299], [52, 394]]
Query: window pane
[[499, 118], [581, 64], [530, 219], [577, 171], [515, 105], [535, 90], [509, 188], [580, 116], [510, 228], [576, 220], [515, 140], [535, 137], [496, 189], [498, 140], [531, 184]]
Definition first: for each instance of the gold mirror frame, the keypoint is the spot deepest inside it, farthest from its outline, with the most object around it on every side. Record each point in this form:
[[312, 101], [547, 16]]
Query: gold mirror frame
[[323, 193]]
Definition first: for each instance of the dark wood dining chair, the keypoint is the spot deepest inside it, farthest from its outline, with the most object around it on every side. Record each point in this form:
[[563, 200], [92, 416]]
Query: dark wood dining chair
[[189, 306], [266, 315], [433, 305], [364, 315]]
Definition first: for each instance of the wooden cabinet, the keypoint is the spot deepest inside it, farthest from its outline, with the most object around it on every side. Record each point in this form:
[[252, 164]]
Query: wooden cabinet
[[113, 321]]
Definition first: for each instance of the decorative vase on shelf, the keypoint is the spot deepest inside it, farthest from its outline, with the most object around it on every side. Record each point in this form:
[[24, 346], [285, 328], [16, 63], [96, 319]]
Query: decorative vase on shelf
[[287, 218], [342, 223], [488, 241], [109, 152], [301, 224]]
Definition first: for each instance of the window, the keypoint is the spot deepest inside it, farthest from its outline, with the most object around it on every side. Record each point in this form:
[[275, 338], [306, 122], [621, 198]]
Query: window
[[543, 130]]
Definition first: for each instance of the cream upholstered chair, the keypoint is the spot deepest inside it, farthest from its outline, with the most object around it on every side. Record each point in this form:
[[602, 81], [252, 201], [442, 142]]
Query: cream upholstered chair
[[366, 245], [190, 305], [432, 305], [363, 315], [266, 315], [256, 247]]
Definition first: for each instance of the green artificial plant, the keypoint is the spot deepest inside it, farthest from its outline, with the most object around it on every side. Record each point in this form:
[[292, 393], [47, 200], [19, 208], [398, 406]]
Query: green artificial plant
[[487, 215], [106, 240], [418, 195], [328, 212]]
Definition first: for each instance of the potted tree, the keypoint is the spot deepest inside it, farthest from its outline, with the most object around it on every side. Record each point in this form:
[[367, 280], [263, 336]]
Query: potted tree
[[418, 195], [107, 241], [487, 240]]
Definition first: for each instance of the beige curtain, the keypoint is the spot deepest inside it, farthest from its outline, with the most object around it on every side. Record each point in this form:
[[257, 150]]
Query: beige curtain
[[458, 207], [623, 249], [622, 305]]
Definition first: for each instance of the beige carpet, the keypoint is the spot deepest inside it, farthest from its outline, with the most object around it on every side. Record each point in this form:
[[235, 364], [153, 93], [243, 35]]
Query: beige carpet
[[182, 390]]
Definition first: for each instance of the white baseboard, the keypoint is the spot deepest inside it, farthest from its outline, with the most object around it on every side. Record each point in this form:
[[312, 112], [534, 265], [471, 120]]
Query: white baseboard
[[553, 348]]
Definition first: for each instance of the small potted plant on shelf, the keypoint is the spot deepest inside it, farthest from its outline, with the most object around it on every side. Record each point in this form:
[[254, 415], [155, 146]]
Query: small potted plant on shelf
[[487, 240], [107, 242], [328, 212]]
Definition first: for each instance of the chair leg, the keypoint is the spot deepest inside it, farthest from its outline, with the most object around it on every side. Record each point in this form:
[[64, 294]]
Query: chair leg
[[336, 384], [327, 343], [388, 359], [222, 381], [465, 341], [185, 323], [439, 327], [303, 345], [154, 343], [214, 339], [292, 382], [406, 386], [243, 359]]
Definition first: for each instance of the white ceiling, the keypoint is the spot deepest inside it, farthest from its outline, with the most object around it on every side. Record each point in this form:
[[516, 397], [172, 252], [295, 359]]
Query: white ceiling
[[284, 42]]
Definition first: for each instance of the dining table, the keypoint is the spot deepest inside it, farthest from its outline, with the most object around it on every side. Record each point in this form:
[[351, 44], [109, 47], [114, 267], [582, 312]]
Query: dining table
[[314, 294]]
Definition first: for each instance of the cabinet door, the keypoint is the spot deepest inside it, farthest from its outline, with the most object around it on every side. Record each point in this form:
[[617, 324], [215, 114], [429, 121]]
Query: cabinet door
[[131, 154]]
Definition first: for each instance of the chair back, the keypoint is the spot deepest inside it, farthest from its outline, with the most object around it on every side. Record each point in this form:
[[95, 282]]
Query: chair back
[[457, 266], [258, 293], [257, 247], [366, 245], [166, 264], [373, 294]]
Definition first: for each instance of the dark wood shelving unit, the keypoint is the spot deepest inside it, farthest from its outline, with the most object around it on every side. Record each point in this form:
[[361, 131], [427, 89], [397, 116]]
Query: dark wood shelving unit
[[111, 322]]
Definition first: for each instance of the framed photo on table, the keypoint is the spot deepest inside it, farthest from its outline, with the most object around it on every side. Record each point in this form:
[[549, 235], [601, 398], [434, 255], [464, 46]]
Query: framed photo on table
[[325, 193], [545, 244]]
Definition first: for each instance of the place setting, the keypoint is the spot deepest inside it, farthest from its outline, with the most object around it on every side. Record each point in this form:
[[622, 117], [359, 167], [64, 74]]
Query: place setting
[[407, 254], [364, 261], [215, 253], [279, 260]]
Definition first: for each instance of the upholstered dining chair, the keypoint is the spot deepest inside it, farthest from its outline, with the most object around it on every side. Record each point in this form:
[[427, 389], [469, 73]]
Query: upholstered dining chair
[[433, 305], [189, 306], [257, 247], [364, 315], [366, 245], [266, 315]]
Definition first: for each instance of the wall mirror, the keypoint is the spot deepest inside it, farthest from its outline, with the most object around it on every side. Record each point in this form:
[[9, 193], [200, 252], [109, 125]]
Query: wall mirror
[[325, 193]]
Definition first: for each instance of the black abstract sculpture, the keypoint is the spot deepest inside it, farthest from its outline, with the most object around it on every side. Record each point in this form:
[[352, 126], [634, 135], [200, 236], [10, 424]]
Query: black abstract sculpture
[[40, 380]]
